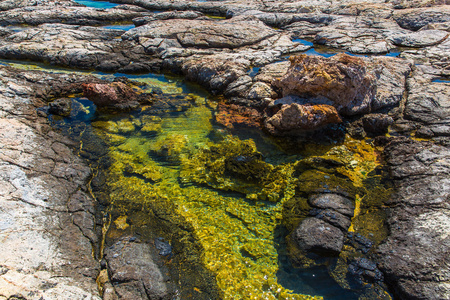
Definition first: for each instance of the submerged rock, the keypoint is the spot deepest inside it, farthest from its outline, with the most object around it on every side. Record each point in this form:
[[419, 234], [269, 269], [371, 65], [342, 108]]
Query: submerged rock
[[336, 202], [134, 272]]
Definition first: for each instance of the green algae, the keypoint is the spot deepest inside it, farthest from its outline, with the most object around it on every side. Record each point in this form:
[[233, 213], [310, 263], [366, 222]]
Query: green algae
[[236, 236], [236, 165], [166, 171], [166, 167]]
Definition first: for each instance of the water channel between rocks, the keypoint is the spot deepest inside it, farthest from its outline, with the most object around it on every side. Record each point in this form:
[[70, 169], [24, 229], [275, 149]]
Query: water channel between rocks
[[172, 157]]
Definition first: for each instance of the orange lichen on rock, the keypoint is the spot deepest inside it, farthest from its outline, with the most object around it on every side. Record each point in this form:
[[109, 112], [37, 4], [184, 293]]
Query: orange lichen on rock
[[230, 114], [343, 79], [115, 94], [296, 117]]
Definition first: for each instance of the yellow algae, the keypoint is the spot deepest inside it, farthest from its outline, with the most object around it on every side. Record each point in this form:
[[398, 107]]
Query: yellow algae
[[108, 126], [237, 237], [121, 223], [151, 124]]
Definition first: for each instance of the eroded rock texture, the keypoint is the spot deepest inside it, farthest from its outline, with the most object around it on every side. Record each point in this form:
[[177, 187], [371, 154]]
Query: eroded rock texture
[[48, 228]]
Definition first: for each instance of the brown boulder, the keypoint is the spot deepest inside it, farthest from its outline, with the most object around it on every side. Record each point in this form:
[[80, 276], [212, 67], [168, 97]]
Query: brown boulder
[[343, 79], [115, 94], [297, 117]]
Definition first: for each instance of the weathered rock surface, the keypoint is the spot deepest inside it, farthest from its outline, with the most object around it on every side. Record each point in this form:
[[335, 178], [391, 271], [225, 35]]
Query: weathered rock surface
[[134, 273], [301, 117], [416, 18], [231, 33], [414, 257], [318, 236], [68, 45], [74, 15], [352, 85], [114, 95], [47, 226]]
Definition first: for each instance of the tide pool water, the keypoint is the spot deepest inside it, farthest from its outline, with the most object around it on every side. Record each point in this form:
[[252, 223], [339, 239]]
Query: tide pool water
[[173, 157], [97, 4]]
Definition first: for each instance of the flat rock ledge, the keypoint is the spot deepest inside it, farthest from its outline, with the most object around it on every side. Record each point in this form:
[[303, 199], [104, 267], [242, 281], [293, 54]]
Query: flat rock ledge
[[47, 223]]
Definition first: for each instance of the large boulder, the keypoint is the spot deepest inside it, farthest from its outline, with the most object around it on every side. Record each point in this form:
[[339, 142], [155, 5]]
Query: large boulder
[[353, 85], [343, 79]]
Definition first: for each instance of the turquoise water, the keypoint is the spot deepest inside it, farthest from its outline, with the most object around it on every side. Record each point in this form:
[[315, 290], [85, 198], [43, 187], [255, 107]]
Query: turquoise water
[[96, 4], [125, 27]]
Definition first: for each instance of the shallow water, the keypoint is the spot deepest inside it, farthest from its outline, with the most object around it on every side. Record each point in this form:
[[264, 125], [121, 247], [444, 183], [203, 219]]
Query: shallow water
[[97, 4], [125, 27], [162, 154]]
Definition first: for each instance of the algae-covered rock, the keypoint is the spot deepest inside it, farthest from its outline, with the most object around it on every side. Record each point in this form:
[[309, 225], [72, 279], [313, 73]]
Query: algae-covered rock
[[236, 165]]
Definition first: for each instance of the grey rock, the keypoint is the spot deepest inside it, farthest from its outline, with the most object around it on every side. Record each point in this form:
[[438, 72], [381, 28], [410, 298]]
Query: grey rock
[[333, 217], [414, 255], [47, 216], [333, 201], [134, 272], [421, 38], [318, 236], [61, 107], [416, 18]]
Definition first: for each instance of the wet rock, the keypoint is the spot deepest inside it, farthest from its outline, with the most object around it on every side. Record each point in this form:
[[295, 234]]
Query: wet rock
[[333, 201], [60, 107], [319, 237], [359, 242], [134, 272], [113, 95], [365, 270], [230, 115], [376, 124], [333, 217], [165, 249], [295, 117]]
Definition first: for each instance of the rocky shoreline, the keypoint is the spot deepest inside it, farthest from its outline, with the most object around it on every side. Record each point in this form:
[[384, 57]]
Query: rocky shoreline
[[51, 224]]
